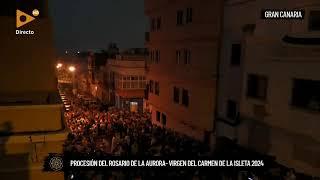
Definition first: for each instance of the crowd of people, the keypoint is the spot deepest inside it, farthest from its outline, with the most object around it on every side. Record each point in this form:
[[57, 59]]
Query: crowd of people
[[119, 132]]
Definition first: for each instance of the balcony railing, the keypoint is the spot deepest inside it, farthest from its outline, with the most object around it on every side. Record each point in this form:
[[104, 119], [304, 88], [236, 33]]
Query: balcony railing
[[276, 49]]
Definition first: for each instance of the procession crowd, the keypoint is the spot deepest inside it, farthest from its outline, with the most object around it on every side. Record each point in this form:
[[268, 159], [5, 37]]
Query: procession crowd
[[119, 132], [124, 133]]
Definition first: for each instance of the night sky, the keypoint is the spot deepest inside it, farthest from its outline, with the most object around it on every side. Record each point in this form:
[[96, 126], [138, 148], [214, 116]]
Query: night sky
[[92, 24]]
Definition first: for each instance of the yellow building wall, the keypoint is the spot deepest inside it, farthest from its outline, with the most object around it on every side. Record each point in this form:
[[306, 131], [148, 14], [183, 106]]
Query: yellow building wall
[[32, 118], [27, 61]]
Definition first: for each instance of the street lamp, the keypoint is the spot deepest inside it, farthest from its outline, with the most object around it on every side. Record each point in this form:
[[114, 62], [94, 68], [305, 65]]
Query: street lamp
[[72, 68], [59, 65]]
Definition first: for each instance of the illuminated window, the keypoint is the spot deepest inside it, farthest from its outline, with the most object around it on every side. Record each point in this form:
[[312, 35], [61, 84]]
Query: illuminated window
[[134, 106]]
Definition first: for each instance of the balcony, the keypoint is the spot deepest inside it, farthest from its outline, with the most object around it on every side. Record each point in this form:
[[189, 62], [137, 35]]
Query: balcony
[[32, 112], [277, 50], [129, 62]]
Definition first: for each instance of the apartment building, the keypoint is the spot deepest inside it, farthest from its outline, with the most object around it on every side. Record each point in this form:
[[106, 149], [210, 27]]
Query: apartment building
[[232, 62], [126, 80], [183, 45], [270, 82], [31, 111]]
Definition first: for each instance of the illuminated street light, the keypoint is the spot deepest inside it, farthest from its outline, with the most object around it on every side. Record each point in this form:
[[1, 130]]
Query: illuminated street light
[[72, 68], [59, 65]]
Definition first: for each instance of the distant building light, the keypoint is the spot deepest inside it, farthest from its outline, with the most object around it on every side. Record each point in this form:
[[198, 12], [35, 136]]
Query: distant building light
[[134, 103], [66, 52]]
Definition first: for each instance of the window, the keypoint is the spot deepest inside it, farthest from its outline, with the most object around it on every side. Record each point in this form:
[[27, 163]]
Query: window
[[158, 116], [232, 109], [157, 88], [235, 54], [164, 119], [306, 94], [179, 17], [127, 84], [142, 83], [153, 24], [187, 56], [124, 85], [157, 56], [314, 21], [257, 86], [134, 84], [158, 23], [134, 106], [189, 15], [151, 56], [178, 56], [185, 97], [176, 94], [151, 86]]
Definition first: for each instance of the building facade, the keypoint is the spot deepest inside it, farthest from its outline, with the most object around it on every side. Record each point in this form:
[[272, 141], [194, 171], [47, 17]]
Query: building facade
[[31, 111], [269, 90], [183, 45], [126, 80]]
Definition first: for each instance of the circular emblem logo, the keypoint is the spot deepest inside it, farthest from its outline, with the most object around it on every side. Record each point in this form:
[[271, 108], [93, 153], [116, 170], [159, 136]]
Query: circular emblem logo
[[56, 163]]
